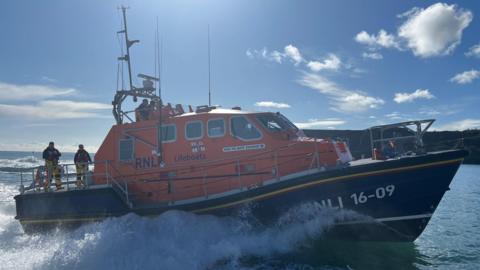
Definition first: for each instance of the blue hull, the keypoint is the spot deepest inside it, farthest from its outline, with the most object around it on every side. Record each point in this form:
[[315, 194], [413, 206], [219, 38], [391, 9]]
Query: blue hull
[[394, 199]]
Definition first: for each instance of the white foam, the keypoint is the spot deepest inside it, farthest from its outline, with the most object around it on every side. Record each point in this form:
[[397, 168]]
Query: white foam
[[174, 240], [24, 162]]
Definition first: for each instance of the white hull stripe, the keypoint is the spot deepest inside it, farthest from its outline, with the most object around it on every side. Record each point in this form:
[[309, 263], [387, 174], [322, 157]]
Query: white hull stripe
[[387, 219], [404, 217]]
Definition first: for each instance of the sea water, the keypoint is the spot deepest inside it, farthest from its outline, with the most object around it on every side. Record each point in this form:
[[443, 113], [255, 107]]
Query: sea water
[[181, 240]]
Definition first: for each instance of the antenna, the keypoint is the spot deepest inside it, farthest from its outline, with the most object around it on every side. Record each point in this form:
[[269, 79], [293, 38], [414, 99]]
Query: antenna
[[209, 84], [160, 102], [160, 68], [155, 54]]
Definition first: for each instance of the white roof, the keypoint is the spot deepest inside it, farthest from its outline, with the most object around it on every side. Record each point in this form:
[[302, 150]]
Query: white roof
[[217, 111]]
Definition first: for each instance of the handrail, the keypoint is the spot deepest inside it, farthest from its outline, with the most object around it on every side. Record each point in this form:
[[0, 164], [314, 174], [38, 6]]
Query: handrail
[[65, 174], [415, 127], [230, 179], [237, 177], [121, 190], [278, 157]]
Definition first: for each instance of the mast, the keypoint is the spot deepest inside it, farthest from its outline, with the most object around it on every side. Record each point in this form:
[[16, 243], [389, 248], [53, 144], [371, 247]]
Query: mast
[[147, 90], [128, 44]]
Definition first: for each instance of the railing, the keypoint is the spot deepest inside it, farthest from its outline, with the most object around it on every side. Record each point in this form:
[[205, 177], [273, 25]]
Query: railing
[[121, 190], [204, 179], [379, 140], [42, 180], [179, 182]]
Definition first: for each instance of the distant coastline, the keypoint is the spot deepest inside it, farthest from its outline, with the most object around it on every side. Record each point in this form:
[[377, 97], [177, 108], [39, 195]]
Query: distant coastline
[[359, 141]]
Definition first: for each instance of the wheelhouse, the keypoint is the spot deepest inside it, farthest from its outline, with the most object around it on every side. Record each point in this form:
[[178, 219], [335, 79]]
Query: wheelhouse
[[181, 155]]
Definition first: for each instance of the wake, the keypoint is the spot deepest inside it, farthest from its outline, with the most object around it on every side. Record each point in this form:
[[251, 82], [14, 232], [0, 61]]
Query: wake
[[173, 240]]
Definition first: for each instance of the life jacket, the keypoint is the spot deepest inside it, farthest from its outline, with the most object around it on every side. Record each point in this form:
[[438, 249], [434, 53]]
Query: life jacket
[[82, 156], [51, 154]]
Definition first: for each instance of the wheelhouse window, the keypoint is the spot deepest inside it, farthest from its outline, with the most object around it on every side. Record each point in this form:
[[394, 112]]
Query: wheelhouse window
[[126, 149], [169, 133], [286, 121], [272, 122], [194, 130], [243, 129], [216, 127]]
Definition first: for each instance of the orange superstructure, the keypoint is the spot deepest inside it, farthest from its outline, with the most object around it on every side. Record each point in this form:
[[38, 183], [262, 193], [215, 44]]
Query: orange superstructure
[[203, 152]]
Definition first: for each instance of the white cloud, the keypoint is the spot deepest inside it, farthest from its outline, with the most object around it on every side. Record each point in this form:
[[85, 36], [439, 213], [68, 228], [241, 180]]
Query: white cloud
[[436, 30], [382, 39], [31, 92], [291, 52], [461, 125], [433, 31], [409, 97], [320, 83], [357, 102], [372, 55], [394, 116], [446, 109], [54, 109], [474, 51], [332, 62], [429, 111], [48, 79], [342, 100], [294, 54], [466, 77], [263, 54], [276, 56], [320, 123], [271, 104]]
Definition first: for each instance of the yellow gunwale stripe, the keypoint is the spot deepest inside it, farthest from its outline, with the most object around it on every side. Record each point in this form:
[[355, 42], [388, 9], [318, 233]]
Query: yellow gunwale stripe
[[323, 181], [266, 195]]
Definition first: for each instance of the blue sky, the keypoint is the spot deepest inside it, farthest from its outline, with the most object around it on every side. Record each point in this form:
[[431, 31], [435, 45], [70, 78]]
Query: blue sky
[[324, 64]]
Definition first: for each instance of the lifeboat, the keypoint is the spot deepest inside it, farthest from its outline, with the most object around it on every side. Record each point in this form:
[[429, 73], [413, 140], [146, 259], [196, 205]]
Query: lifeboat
[[218, 161]]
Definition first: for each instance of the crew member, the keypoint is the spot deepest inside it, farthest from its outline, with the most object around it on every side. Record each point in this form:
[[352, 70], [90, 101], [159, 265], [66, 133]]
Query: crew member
[[81, 159], [389, 150], [152, 107], [51, 156], [143, 111]]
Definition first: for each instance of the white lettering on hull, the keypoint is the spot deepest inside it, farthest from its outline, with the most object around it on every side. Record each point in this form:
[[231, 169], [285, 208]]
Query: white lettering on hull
[[243, 147]]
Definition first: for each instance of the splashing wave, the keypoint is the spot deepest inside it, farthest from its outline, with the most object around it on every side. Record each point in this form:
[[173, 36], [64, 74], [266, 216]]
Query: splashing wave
[[173, 240]]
